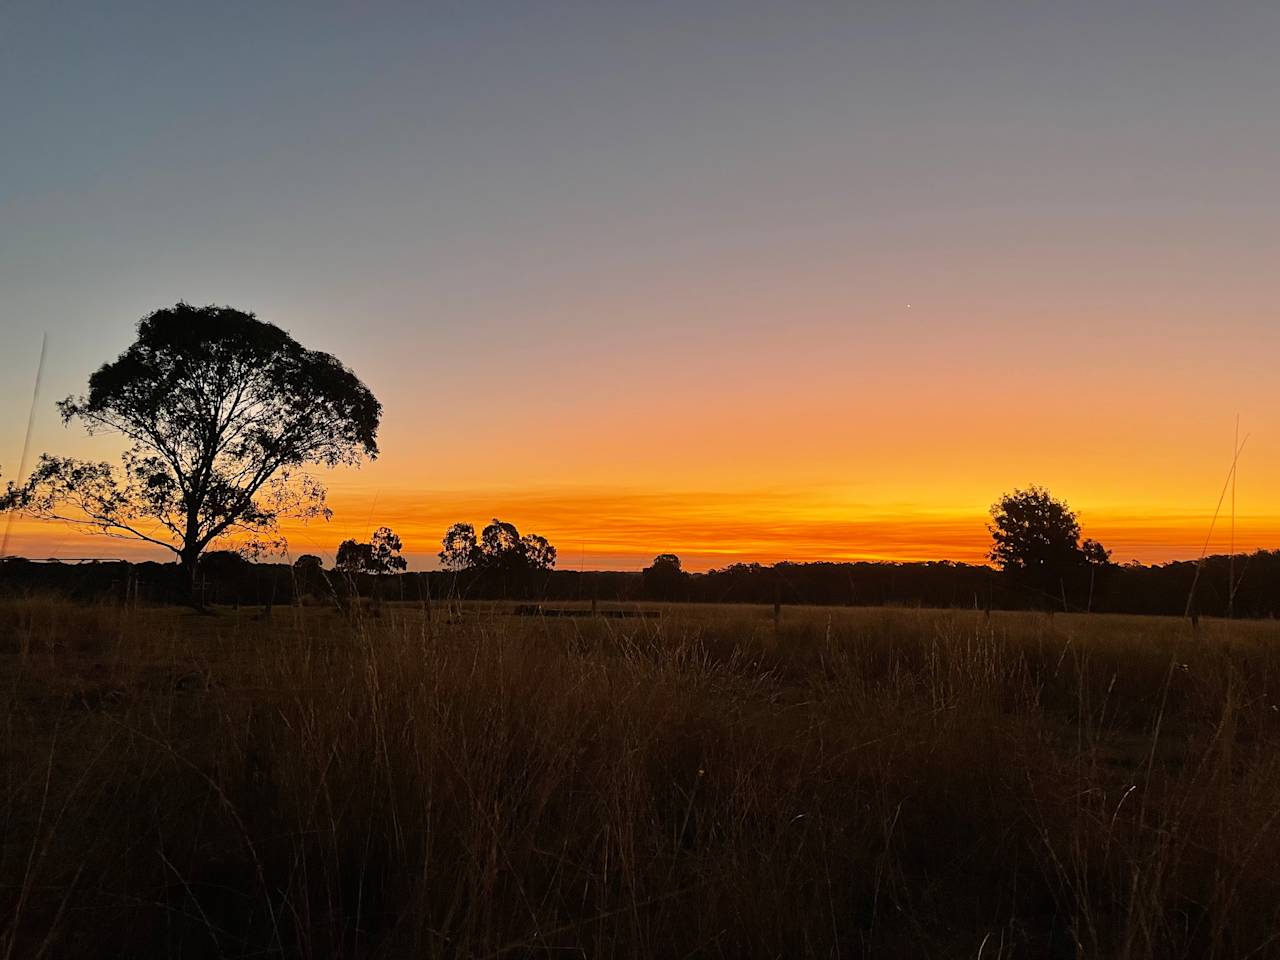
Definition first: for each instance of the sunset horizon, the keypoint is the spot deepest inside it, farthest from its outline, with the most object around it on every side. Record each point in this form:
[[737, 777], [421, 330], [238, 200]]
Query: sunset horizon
[[713, 479], [608, 530], [731, 283]]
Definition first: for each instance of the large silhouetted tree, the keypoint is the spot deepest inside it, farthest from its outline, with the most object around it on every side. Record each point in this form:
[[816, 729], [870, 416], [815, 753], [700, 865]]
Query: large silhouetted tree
[[222, 411]]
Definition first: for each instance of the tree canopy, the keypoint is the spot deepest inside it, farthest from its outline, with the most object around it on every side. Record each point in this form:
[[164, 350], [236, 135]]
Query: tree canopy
[[380, 555], [1036, 540], [222, 412], [499, 547], [461, 549], [1031, 530], [664, 579]]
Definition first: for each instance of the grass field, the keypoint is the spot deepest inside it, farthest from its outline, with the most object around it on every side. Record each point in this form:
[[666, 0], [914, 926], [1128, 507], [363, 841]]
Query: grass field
[[845, 783]]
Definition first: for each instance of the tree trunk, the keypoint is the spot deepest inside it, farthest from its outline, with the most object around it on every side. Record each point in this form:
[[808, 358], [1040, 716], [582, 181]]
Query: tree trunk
[[189, 560]]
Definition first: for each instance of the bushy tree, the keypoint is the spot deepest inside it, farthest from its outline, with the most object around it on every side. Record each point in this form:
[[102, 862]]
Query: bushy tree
[[499, 547], [308, 573], [539, 554], [1030, 530], [461, 549], [379, 556], [1095, 553], [664, 579], [308, 564], [353, 557], [221, 411], [1036, 541]]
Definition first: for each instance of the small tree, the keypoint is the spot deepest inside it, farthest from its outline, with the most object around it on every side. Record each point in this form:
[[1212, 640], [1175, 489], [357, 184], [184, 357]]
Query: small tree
[[379, 556], [538, 553], [353, 557], [384, 551], [499, 547], [308, 573], [308, 564], [1094, 553], [1036, 540], [461, 550], [1030, 530], [664, 579], [221, 411]]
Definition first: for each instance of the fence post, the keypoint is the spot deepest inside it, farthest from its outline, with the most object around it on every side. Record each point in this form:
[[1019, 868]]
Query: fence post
[[777, 607]]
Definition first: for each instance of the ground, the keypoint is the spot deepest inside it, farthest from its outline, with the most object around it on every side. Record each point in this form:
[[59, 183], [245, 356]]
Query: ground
[[701, 781]]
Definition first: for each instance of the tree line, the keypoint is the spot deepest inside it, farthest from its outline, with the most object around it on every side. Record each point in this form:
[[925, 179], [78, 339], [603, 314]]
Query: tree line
[[226, 415], [228, 578]]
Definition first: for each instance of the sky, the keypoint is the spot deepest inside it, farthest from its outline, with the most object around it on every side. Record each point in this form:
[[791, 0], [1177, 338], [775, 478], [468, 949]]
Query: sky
[[738, 281]]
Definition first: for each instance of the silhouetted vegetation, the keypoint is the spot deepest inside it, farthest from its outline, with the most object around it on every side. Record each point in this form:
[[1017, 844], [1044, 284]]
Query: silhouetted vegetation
[[381, 555], [222, 411], [460, 783], [500, 548], [1036, 543], [664, 579], [1130, 588], [308, 575]]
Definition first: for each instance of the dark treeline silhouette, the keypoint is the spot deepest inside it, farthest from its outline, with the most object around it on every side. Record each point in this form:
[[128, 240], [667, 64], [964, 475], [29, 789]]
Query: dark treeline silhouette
[[225, 578]]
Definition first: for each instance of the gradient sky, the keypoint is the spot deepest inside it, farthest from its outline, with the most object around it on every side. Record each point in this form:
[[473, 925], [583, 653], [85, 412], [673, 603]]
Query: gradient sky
[[740, 281]]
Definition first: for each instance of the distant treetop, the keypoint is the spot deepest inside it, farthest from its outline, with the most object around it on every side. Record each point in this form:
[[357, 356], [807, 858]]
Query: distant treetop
[[499, 547]]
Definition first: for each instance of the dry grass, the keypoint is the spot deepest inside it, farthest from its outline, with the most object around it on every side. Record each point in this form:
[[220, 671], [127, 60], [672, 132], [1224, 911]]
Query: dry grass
[[855, 783]]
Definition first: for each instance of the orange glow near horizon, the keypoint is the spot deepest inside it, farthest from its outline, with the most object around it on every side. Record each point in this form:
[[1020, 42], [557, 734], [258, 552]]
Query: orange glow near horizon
[[759, 446], [603, 530]]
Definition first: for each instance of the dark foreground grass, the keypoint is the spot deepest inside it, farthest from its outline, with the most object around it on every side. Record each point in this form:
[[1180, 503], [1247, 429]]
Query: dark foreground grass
[[853, 783]]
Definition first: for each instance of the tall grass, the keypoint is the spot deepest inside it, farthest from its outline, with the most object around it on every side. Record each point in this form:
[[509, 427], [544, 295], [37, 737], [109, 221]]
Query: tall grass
[[851, 783]]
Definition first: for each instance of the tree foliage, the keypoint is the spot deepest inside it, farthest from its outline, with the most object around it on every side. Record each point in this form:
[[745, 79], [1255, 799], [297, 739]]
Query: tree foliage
[[221, 411], [1030, 530], [461, 549], [308, 573], [1094, 553], [539, 554], [499, 547], [664, 579], [1036, 541], [380, 555]]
